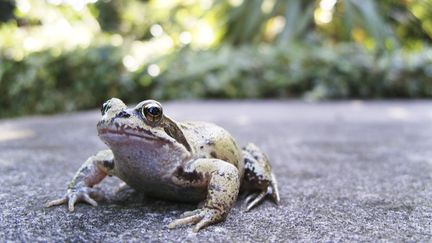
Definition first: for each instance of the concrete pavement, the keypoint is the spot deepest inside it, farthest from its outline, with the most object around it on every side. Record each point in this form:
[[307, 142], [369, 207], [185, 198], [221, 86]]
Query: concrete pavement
[[348, 171]]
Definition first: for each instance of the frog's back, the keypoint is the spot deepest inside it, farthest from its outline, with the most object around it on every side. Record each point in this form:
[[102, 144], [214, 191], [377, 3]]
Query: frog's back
[[208, 140]]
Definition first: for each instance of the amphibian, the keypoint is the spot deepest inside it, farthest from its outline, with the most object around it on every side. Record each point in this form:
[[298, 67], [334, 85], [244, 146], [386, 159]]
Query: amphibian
[[183, 161]]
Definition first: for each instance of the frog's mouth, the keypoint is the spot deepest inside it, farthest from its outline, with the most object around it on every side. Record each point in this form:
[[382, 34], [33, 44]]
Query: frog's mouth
[[110, 134], [116, 133]]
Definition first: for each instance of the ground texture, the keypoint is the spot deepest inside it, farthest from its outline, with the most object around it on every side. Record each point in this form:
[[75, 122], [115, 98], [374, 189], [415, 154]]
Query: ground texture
[[348, 171]]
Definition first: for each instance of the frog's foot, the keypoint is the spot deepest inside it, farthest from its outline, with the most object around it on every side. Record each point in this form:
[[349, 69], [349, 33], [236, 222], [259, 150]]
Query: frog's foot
[[255, 198], [200, 217], [258, 177], [74, 195]]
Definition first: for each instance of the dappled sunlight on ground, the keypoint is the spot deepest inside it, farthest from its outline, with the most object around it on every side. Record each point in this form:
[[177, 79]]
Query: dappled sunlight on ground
[[8, 132]]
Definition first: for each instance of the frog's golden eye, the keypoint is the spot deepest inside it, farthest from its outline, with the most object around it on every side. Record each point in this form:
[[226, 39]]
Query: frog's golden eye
[[105, 107], [152, 112]]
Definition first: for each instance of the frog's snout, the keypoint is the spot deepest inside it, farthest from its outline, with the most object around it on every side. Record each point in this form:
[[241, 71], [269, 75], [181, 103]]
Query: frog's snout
[[123, 114]]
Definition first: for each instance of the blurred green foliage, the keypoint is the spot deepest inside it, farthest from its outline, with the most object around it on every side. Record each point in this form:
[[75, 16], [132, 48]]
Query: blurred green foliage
[[59, 57], [342, 71], [46, 82]]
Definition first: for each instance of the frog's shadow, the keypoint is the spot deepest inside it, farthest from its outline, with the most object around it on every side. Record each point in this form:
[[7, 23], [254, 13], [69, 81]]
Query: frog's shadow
[[127, 197]]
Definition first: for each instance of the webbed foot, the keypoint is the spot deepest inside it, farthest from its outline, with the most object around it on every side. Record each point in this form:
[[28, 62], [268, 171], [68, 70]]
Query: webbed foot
[[200, 217], [255, 198], [74, 195]]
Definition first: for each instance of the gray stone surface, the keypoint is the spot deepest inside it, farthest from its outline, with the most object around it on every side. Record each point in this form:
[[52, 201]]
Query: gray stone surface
[[348, 171]]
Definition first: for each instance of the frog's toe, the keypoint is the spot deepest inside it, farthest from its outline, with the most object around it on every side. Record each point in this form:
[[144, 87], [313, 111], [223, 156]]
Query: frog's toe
[[254, 199], [200, 217], [71, 203], [189, 213], [86, 198], [56, 202], [274, 190], [205, 221], [192, 219]]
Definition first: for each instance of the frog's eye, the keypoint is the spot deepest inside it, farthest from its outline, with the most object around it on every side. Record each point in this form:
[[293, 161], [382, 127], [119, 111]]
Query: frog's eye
[[152, 112], [105, 107]]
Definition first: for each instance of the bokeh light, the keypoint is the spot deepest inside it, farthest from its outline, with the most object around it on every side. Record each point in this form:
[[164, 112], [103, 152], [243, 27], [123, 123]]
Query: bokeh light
[[324, 14], [210, 48]]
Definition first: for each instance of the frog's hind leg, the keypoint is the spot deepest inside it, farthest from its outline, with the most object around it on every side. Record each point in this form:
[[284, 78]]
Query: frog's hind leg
[[223, 183], [258, 180]]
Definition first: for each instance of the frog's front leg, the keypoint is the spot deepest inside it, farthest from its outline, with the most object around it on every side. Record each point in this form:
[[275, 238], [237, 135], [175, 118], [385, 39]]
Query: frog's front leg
[[93, 171], [223, 182]]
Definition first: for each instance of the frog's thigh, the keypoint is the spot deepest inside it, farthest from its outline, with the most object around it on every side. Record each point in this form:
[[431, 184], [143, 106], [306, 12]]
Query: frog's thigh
[[223, 186]]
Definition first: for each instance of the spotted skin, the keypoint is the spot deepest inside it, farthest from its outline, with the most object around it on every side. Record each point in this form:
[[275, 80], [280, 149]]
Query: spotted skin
[[258, 177], [191, 161]]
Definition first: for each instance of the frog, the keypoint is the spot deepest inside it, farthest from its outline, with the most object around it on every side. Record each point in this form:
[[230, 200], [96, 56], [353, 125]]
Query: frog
[[193, 161]]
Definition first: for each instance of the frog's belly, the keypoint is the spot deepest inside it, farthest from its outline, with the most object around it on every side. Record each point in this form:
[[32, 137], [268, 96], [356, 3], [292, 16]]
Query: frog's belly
[[154, 184]]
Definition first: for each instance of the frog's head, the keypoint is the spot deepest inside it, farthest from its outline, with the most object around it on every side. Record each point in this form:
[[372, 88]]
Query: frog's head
[[144, 126]]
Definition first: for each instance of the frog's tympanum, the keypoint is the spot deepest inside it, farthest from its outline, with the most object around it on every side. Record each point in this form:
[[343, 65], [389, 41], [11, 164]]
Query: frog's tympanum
[[187, 161]]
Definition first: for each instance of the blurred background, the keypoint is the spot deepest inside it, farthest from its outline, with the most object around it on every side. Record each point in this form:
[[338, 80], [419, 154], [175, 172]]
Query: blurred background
[[65, 55]]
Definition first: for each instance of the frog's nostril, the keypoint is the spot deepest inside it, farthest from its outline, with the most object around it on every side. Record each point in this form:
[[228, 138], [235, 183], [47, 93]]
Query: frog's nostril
[[123, 114]]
